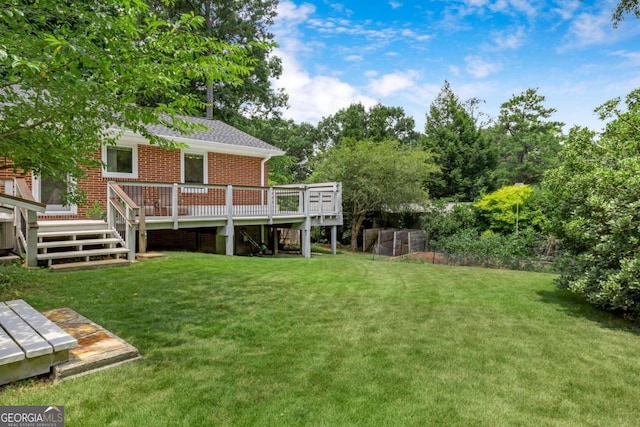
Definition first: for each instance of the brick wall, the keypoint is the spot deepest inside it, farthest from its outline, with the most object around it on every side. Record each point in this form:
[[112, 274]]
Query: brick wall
[[156, 164]]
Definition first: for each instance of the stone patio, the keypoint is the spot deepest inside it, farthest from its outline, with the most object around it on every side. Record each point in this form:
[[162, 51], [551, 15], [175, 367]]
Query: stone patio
[[97, 349]]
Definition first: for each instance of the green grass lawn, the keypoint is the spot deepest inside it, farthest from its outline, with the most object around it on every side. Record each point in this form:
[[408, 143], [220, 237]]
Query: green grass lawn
[[338, 340]]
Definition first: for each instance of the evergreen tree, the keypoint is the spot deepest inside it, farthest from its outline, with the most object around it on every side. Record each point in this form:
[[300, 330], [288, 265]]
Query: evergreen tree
[[463, 152]]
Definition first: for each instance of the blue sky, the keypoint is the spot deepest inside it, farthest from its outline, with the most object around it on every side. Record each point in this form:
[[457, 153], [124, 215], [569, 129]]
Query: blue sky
[[400, 52]]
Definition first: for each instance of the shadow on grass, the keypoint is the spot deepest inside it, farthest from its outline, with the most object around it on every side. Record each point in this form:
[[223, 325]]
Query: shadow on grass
[[577, 306]]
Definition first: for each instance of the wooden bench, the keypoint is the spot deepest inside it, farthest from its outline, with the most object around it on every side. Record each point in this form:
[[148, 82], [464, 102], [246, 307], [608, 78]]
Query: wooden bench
[[30, 344]]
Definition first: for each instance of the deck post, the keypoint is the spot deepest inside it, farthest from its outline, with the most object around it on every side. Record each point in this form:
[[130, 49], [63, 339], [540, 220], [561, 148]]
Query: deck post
[[334, 239], [142, 231], [32, 238], [174, 206], [271, 206], [229, 228], [130, 238], [305, 238], [275, 241]]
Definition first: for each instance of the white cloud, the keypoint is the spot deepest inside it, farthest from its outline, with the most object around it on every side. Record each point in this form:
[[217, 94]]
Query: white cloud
[[455, 70], [475, 3], [313, 97], [505, 40], [510, 6], [588, 29], [310, 97], [410, 34], [395, 4], [567, 8], [293, 14], [354, 58], [632, 58], [393, 83], [479, 68]]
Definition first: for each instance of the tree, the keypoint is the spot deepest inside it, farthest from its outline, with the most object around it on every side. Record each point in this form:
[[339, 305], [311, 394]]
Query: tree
[[625, 7], [597, 211], [70, 69], [374, 175], [296, 140], [529, 141], [378, 123], [463, 153], [236, 22], [506, 209]]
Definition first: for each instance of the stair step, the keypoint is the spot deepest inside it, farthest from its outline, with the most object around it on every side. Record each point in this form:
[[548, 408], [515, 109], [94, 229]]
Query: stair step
[[90, 265], [82, 254], [78, 242], [70, 225], [87, 232]]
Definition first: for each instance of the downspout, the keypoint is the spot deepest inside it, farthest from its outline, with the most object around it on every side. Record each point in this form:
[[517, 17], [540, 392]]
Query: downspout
[[262, 169], [263, 183]]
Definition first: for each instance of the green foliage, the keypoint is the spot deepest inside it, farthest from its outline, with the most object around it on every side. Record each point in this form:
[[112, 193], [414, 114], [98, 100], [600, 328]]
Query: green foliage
[[234, 22], [13, 279], [375, 175], [378, 123], [72, 68], [512, 251], [597, 211], [528, 140], [506, 209], [625, 7], [444, 220], [297, 140], [463, 152]]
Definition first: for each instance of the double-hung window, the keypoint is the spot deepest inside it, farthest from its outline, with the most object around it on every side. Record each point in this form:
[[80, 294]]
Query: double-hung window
[[120, 161], [194, 170]]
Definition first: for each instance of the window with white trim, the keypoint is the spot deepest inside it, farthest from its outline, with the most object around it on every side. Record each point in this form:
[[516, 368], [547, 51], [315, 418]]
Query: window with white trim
[[194, 171], [49, 191], [120, 161]]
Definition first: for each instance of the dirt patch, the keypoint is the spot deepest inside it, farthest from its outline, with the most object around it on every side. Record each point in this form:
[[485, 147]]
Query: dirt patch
[[432, 257]]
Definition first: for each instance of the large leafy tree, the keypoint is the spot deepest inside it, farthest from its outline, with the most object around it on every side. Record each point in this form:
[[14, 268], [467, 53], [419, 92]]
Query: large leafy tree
[[72, 68], [375, 174], [236, 21], [528, 139], [464, 154], [596, 209], [376, 123]]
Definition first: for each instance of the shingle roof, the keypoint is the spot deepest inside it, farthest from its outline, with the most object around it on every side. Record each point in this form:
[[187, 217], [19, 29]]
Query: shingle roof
[[217, 132]]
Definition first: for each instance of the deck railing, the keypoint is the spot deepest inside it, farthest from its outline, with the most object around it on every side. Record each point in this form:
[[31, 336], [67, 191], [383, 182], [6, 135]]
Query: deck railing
[[26, 219], [122, 214], [233, 201]]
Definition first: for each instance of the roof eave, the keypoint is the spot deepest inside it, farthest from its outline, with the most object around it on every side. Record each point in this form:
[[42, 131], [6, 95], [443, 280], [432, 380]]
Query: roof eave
[[195, 144]]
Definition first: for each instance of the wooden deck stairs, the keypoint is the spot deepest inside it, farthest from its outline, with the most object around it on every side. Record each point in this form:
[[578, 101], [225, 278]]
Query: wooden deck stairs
[[72, 245]]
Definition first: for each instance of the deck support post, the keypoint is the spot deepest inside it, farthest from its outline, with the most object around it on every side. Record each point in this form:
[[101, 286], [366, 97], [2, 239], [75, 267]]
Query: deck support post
[[32, 238], [305, 231], [334, 239], [228, 231], [275, 241]]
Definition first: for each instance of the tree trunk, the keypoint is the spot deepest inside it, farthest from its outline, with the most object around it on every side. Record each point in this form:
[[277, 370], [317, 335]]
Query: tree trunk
[[208, 18], [358, 219]]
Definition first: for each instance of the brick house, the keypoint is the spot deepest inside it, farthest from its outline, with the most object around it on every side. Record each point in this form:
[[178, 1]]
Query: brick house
[[211, 194]]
